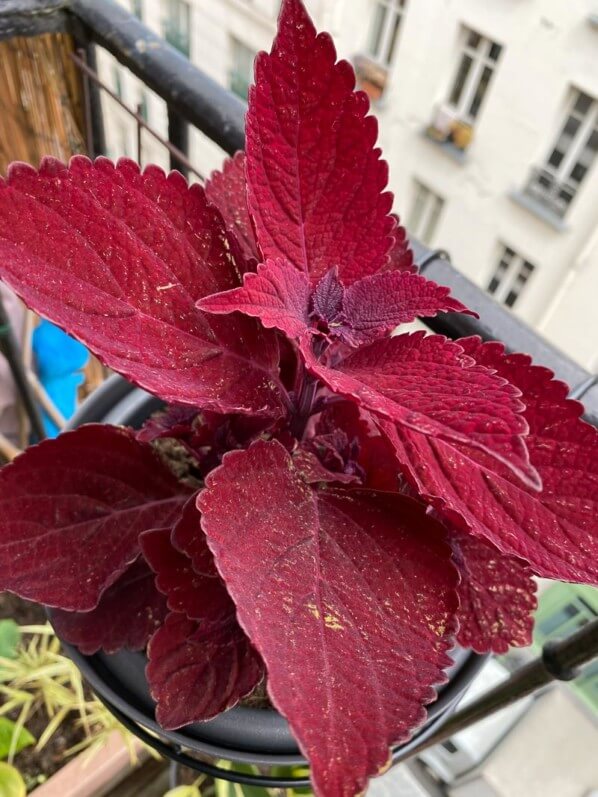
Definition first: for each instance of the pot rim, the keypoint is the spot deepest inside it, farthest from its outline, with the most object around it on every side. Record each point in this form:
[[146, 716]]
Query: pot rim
[[119, 402]]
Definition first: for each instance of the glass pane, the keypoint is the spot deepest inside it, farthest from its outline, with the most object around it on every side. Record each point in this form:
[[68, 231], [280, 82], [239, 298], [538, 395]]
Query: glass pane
[[582, 104], [592, 144], [417, 209], [450, 747], [393, 38], [464, 69], [578, 172], [556, 158], [117, 82], [552, 624], [436, 204], [571, 126], [377, 29], [242, 70], [480, 91], [511, 298], [493, 286], [495, 51], [473, 40], [176, 23]]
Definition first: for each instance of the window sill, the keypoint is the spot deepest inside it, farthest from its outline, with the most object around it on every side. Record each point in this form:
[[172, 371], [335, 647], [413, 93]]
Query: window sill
[[540, 211], [449, 149], [371, 76]]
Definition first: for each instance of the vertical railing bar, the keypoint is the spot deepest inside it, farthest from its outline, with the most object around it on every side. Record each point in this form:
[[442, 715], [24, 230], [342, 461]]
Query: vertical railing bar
[[178, 135], [87, 106], [139, 129], [94, 77], [9, 348]]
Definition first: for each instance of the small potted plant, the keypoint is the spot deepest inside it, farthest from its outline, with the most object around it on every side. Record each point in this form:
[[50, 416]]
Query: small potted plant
[[356, 503]]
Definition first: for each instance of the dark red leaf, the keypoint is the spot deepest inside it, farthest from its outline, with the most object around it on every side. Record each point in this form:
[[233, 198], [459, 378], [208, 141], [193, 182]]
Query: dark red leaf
[[315, 178], [377, 304], [118, 258], [127, 615], [372, 453], [72, 509], [401, 254], [497, 597], [277, 294], [196, 672], [200, 594], [556, 530], [227, 190], [173, 422], [427, 384], [346, 594], [328, 297], [313, 471]]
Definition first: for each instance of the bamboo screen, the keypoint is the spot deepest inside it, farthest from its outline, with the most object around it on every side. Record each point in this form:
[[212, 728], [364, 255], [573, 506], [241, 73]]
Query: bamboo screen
[[41, 101]]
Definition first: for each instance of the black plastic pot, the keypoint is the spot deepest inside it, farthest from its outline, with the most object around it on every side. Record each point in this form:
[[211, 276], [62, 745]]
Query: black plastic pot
[[251, 736]]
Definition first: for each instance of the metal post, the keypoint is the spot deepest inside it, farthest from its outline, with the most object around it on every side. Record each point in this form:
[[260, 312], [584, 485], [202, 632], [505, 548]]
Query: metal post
[[9, 348], [559, 661], [178, 135], [93, 106]]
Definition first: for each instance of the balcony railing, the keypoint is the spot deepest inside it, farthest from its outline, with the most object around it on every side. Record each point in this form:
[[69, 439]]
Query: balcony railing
[[192, 98]]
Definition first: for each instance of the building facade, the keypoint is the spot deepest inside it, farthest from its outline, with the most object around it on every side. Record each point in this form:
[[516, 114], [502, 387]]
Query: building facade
[[488, 117]]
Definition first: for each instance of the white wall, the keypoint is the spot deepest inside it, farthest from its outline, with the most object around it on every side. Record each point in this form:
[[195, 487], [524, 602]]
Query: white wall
[[551, 753]]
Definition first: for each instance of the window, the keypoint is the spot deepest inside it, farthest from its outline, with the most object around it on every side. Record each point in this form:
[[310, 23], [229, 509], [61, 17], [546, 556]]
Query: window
[[385, 30], [137, 8], [557, 181], [476, 67], [241, 73], [510, 277], [450, 747], [117, 84], [142, 106], [425, 212], [176, 24], [568, 618]]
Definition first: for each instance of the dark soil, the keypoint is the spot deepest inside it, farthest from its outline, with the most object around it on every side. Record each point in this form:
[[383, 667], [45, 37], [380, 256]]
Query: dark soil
[[178, 460], [37, 766], [22, 612], [258, 698]]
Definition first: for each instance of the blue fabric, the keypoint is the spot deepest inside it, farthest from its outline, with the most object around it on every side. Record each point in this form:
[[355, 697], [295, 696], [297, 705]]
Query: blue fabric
[[59, 360]]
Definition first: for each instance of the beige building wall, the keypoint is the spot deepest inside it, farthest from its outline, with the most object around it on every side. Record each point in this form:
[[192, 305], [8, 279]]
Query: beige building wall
[[550, 753]]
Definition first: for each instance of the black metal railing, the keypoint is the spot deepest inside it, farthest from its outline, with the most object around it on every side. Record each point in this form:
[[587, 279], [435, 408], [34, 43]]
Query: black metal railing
[[192, 98]]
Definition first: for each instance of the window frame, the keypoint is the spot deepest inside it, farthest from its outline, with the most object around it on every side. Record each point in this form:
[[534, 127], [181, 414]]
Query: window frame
[[480, 61], [234, 44], [181, 37], [511, 270], [548, 183], [422, 222], [383, 50]]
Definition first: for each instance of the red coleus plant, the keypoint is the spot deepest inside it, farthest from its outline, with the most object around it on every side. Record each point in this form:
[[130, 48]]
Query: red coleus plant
[[369, 499]]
